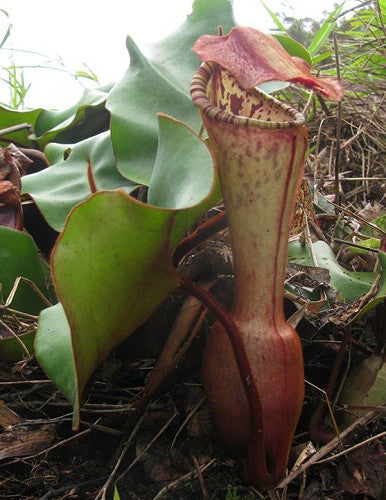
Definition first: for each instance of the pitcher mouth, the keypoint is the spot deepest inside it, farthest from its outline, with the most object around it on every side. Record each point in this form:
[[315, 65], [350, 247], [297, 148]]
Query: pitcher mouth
[[276, 114]]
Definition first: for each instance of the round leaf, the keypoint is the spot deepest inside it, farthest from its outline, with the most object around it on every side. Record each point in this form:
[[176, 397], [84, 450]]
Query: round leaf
[[159, 82], [57, 189]]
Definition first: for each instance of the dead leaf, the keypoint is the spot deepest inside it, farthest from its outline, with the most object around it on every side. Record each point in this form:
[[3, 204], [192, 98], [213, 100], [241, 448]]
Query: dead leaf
[[364, 472], [24, 440], [304, 209], [21, 440]]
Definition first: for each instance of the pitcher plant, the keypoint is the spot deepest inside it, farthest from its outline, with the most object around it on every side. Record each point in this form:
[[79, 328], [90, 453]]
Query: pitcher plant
[[253, 374]]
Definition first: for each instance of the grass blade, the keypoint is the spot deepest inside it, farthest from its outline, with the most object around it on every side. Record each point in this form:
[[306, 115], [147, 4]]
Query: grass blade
[[8, 31], [325, 30], [274, 17]]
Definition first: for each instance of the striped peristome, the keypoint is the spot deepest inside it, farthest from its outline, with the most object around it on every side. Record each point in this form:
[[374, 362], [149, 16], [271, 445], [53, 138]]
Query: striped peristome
[[214, 107]]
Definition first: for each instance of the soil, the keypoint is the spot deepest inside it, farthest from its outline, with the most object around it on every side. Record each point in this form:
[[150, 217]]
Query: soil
[[175, 438]]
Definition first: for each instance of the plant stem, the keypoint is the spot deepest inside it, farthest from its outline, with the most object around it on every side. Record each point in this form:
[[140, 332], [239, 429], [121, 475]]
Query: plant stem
[[202, 233]]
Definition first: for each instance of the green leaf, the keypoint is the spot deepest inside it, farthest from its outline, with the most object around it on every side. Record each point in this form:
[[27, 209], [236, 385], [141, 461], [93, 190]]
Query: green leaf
[[112, 269], [294, 48], [349, 285], [183, 177], [84, 74], [11, 349], [85, 118], [10, 118], [364, 386], [112, 264], [370, 243], [57, 189], [373, 241], [53, 348], [322, 57], [19, 257], [325, 30], [380, 294], [274, 17], [379, 222], [159, 82]]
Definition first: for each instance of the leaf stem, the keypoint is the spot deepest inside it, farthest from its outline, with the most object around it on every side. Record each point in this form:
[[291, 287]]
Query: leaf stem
[[256, 451], [202, 233]]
